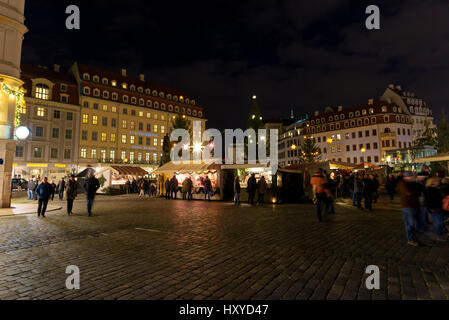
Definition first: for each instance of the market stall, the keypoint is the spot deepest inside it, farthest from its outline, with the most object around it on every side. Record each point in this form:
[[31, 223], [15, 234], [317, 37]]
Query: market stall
[[116, 176]]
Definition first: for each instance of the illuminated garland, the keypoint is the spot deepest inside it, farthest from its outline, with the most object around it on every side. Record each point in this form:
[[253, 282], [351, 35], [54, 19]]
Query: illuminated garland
[[20, 101]]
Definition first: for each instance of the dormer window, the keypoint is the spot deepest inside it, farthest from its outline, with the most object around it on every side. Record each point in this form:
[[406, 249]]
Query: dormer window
[[364, 112], [384, 109], [200, 114], [140, 89], [104, 81], [63, 87], [175, 98], [154, 93], [371, 111], [357, 113], [351, 114], [42, 91], [125, 99], [169, 96], [114, 96], [124, 86], [147, 91], [192, 102], [133, 100], [113, 83], [86, 77], [106, 94], [132, 87], [96, 79], [96, 92], [161, 94]]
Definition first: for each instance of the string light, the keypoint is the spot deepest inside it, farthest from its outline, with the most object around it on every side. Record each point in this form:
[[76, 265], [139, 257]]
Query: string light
[[20, 101]]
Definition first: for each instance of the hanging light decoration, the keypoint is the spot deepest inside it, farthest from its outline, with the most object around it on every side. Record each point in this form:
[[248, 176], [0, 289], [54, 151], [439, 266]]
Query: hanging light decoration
[[20, 101]]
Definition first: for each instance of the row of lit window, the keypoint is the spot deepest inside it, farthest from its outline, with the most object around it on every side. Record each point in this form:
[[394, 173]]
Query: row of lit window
[[103, 154], [132, 87], [142, 102], [41, 112], [124, 124], [124, 138]]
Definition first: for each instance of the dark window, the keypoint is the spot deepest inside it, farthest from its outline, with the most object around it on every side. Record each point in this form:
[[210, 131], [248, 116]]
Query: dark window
[[94, 135], [148, 127], [55, 133], [67, 153], [84, 135], [104, 121], [140, 126], [367, 133], [353, 135], [37, 152], [68, 134], [354, 147], [369, 159], [140, 140], [133, 112], [360, 134], [39, 131], [19, 151], [374, 132], [376, 159], [57, 114], [96, 106], [53, 153], [368, 146], [125, 111], [348, 148], [86, 104], [113, 122], [375, 146], [69, 116], [148, 141]]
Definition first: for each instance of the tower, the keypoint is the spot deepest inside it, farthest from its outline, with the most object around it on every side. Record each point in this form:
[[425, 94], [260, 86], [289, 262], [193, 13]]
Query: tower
[[12, 29]]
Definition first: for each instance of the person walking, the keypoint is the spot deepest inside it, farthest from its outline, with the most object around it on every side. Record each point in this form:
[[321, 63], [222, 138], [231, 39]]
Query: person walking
[[53, 187], [90, 187], [43, 192], [167, 189], [71, 193], [60, 188], [207, 184], [251, 188], [317, 181], [390, 185], [237, 191], [262, 187], [433, 199], [30, 188], [369, 188], [410, 191], [174, 187], [140, 185]]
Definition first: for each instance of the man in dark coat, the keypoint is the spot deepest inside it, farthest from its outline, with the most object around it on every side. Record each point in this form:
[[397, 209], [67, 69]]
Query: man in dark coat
[[53, 186], [90, 187], [167, 189], [251, 188], [369, 188], [61, 187], [173, 187], [43, 192], [71, 188], [391, 186]]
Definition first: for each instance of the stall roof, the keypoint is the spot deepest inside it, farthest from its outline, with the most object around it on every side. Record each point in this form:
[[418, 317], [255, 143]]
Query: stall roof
[[438, 157], [328, 165], [127, 170], [186, 166]]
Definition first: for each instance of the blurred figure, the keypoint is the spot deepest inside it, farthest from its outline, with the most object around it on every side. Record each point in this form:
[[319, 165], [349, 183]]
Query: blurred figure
[[60, 188], [251, 188], [410, 192], [262, 187], [433, 203], [173, 187], [30, 188], [53, 186], [317, 181], [237, 190], [91, 186], [167, 189], [390, 186]]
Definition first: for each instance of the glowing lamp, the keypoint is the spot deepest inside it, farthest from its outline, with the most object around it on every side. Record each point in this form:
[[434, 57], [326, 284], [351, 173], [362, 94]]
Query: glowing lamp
[[329, 140], [293, 146], [186, 147], [254, 97], [363, 150], [273, 200], [22, 132], [197, 147]]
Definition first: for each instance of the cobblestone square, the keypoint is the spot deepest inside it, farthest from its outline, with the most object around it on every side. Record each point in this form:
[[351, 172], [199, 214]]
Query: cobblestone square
[[159, 249]]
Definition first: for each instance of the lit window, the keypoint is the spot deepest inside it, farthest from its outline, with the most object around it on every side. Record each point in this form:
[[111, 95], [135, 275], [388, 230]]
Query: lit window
[[103, 137], [40, 112], [94, 119], [123, 155], [140, 113], [85, 118], [155, 142], [131, 139], [123, 138], [155, 128], [114, 109], [93, 153], [132, 125], [42, 91], [112, 137], [162, 129], [83, 153], [112, 154], [124, 124], [148, 115], [105, 107]]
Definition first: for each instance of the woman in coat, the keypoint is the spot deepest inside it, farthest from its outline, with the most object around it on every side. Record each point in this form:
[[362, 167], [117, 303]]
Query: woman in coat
[[71, 193]]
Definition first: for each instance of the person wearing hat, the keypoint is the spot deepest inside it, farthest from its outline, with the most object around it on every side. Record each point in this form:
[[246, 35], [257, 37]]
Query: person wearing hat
[[410, 192]]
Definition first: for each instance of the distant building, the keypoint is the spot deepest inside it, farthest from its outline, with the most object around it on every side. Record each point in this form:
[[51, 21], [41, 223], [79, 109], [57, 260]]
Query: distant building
[[413, 106], [52, 114], [360, 134], [409, 156]]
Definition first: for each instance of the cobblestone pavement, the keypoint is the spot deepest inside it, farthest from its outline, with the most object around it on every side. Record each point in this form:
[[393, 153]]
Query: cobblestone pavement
[[157, 249]]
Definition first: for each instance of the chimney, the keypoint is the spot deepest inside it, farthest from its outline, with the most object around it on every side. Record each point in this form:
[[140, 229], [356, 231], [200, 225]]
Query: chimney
[[391, 86], [399, 87], [142, 77], [340, 108], [317, 113], [124, 72], [371, 101], [56, 67]]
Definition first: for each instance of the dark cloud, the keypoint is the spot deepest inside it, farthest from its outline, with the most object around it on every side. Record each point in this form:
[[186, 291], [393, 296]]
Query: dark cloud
[[292, 54]]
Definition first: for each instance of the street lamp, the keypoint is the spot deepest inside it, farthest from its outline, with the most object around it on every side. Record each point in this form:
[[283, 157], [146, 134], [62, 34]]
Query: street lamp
[[22, 132], [363, 150]]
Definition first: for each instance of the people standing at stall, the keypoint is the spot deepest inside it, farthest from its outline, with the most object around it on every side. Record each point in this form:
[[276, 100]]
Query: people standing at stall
[[358, 191], [189, 188], [31, 188], [237, 190], [167, 189], [43, 192], [369, 190], [262, 187], [91, 186], [71, 193], [251, 188], [207, 184], [173, 187], [185, 188]]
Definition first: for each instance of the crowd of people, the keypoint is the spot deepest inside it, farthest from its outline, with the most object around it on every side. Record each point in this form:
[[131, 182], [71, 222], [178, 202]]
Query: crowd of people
[[253, 186], [142, 186], [424, 198], [44, 191], [187, 188]]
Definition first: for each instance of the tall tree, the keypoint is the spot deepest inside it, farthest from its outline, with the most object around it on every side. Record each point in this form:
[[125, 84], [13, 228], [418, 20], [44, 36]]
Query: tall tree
[[166, 148], [308, 151], [428, 136]]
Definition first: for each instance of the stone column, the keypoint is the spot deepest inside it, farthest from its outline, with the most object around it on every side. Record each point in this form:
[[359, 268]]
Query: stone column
[[12, 29]]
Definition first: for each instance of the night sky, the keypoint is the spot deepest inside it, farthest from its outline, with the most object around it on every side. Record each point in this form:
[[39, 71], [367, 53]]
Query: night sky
[[296, 54]]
